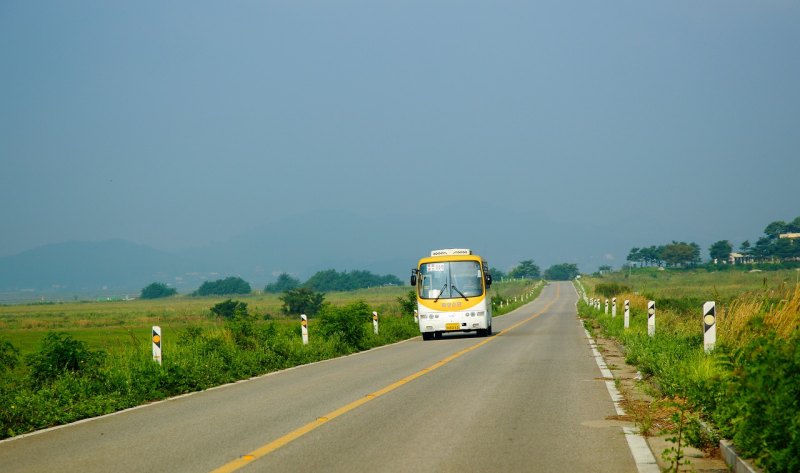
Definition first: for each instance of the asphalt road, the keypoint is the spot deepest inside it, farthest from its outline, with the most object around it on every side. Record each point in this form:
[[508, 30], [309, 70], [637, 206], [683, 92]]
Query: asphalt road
[[528, 398]]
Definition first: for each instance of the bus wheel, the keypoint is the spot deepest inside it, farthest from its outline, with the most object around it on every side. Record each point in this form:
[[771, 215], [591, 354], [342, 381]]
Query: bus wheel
[[427, 335], [489, 330], [438, 335]]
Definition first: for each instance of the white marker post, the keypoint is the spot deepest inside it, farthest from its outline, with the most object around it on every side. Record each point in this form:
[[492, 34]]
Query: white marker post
[[613, 307], [304, 328], [606, 306], [375, 322], [709, 325], [416, 316], [157, 344], [627, 313], [651, 318]]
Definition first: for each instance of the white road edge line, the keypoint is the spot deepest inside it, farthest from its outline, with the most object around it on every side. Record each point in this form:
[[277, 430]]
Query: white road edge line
[[642, 455]]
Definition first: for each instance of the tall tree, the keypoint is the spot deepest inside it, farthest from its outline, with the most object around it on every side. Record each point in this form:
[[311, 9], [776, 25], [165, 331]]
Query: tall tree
[[634, 256], [561, 272], [284, 283], [745, 247], [720, 250], [774, 229], [680, 253], [526, 270]]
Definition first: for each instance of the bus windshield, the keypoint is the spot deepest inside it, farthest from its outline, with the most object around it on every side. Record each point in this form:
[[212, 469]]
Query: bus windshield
[[450, 280]]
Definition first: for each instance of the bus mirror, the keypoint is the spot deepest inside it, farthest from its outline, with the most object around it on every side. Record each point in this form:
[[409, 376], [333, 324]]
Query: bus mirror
[[488, 280], [413, 277]]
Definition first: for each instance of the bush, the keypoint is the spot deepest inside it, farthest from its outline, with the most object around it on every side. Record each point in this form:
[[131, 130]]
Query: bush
[[229, 309], [408, 303], [9, 356], [60, 353], [302, 301], [157, 290], [348, 323], [765, 394], [222, 287]]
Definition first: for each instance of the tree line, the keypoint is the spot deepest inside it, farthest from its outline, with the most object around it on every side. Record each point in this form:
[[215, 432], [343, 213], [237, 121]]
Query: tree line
[[771, 247], [528, 269], [323, 281]]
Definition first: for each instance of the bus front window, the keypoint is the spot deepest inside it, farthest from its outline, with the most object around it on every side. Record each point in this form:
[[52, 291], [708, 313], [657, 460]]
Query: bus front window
[[445, 280]]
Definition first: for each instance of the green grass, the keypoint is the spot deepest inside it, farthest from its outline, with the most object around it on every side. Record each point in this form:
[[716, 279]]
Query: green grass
[[700, 283]]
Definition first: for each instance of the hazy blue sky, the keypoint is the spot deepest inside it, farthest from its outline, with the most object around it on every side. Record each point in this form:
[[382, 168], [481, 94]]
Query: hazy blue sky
[[177, 124]]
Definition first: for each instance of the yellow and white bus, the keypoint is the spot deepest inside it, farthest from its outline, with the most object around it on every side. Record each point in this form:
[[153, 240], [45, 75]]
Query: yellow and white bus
[[452, 287]]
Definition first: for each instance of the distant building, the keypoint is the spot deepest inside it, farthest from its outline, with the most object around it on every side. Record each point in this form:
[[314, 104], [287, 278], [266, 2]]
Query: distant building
[[789, 235], [738, 258]]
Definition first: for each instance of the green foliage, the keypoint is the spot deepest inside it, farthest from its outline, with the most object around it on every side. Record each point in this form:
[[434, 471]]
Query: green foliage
[[59, 354], [302, 301], [680, 254], [157, 290], [229, 309], [764, 393], [525, 270], [408, 303], [331, 280], [222, 287], [561, 272], [9, 356], [497, 275], [347, 323], [720, 250], [611, 289], [283, 284]]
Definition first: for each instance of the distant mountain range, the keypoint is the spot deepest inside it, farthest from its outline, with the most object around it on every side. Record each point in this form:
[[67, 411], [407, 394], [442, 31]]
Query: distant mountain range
[[303, 245]]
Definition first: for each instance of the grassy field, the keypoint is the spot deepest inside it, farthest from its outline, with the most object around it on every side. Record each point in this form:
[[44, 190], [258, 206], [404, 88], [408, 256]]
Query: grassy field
[[700, 283], [115, 324], [110, 324]]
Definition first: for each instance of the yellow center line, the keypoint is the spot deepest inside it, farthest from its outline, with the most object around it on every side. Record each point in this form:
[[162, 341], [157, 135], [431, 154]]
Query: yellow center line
[[297, 433]]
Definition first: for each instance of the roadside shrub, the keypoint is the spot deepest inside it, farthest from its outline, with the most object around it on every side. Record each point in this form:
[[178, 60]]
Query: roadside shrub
[[346, 322], [408, 303], [765, 397], [9, 356], [60, 353]]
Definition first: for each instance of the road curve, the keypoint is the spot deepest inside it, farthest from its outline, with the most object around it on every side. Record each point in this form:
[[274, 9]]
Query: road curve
[[529, 398]]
